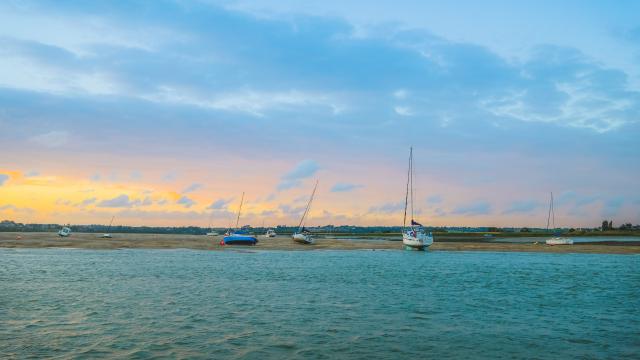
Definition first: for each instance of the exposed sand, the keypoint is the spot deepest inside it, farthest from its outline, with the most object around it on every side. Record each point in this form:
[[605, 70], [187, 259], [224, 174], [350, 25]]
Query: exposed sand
[[281, 242]]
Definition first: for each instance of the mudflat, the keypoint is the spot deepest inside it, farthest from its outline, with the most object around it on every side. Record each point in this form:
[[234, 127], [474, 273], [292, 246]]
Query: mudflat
[[282, 242]]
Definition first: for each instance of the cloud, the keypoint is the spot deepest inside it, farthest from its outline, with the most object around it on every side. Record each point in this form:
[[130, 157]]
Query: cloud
[[169, 177], [191, 188], [120, 201], [294, 177], [345, 187], [32, 173], [400, 94], [185, 201], [403, 110], [387, 208], [88, 201], [11, 207], [135, 175], [219, 204], [3, 178], [480, 207], [522, 206], [52, 139], [434, 199], [291, 211]]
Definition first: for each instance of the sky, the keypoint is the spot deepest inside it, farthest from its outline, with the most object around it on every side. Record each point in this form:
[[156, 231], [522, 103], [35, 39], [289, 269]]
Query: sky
[[165, 112]]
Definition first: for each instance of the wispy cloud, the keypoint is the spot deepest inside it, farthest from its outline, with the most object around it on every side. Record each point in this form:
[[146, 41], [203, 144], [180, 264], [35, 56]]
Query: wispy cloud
[[301, 171], [523, 207], [474, 208], [3, 178], [345, 187], [120, 201], [220, 204], [193, 187], [186, 201], [51, 139], [387, 208]]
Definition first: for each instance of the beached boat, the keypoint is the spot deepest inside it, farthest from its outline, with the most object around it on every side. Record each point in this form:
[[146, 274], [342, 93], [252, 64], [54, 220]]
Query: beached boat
[[414, 236], [212, 233], [557, 239], [241, 236], [107, 235], [64, 232], [270, 233], [303, 236]]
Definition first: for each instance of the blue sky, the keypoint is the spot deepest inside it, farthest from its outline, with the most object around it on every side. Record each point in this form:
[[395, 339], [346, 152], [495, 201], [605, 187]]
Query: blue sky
[[502, 101]]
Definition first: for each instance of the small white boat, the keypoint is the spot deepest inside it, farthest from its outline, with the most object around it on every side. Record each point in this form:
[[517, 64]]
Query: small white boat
[[270, 233], [212, 233], [107, 235], [414, 237], [303, 236], [557, 240], [64, 232]]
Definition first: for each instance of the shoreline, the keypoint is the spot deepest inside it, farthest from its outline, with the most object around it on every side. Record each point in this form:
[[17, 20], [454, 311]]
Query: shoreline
[[283, 242]]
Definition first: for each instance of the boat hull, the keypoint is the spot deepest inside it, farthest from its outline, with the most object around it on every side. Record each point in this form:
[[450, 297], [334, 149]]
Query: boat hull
[[418, 242], [559, 241], [240, 240], [302, 239]]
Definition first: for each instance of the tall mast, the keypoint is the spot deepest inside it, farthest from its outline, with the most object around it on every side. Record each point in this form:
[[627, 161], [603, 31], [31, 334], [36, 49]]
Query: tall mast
[[553, 213], [406, 195], [411, 170], [308, 207], [239, 210], [550, 212], [110, 222]]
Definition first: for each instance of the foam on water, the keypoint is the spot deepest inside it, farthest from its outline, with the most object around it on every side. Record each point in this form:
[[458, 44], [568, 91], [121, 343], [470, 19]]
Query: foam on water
[[318, 304]]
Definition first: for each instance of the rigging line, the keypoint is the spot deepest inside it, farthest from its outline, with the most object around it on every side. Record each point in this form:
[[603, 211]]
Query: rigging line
[[308, 206], [406, 196], [411, 156], [239, 210], [549, 214]]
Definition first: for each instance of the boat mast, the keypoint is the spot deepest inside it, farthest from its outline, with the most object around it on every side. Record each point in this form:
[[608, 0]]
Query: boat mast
[[551, 217], [239, 210], [110, 222], [411, 171], [406, 195], [553, 213], [306, 211]]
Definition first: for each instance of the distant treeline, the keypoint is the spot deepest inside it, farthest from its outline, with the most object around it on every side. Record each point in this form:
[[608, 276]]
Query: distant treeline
[[11, 226]]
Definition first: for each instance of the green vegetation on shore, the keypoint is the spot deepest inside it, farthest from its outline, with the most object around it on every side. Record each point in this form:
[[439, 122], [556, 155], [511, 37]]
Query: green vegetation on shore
[[330, 230]]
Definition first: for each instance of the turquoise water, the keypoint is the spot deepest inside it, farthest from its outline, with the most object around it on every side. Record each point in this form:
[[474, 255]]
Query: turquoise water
[[317, 304]]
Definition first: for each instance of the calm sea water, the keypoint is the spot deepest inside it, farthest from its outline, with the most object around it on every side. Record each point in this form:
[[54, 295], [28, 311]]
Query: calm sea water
[[317, 304]]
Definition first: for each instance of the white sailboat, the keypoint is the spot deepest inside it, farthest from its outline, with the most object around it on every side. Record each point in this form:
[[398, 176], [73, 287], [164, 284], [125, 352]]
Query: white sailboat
[[557, 240], [303, 236], [107, 235], [414, 236], [64, 232], [270, 233]]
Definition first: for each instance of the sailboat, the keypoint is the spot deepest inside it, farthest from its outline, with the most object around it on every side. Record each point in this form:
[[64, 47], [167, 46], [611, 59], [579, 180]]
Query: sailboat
[[241, 236], [557, 240], [270, 233], [64, 232], [414, 237], [303, 236], [107, 235]]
